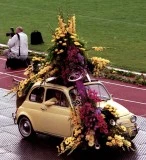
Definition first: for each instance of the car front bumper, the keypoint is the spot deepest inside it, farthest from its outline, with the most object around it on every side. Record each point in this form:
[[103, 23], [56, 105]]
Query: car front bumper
[[133, 130]]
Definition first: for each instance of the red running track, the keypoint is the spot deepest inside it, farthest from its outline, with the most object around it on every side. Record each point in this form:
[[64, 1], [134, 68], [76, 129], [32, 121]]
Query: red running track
[[7, 75], [131, 96]]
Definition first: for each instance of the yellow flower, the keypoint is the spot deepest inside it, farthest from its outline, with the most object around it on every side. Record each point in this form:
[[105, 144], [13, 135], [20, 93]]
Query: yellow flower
[[109, 138], [127, 143], [77, 43], [90, 137], [67, 141], [62, 35], [113, 142], [103, 115], [77, 132], [25, 81], [57, 37], [21, 86], [109, 144], [73, 37], [83, 49], [19, 94], [64, 44], [79, 139], [87, 137], [120, 143], [74, 34], [91, 143], [118, 137], [39, 79], [60, 51], [53, 40], [14, 89], [123, 128], [106, 107], [62, 147], [98, 48], [58, 149]]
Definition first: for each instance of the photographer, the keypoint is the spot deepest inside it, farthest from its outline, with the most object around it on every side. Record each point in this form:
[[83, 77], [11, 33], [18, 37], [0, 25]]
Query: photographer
[[18, 45]]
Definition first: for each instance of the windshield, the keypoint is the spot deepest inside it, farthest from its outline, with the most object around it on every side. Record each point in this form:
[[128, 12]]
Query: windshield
[[101, 91]]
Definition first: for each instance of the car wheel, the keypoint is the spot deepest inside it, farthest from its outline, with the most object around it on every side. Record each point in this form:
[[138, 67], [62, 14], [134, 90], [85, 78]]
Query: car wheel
[[25, 127], [132, 137]]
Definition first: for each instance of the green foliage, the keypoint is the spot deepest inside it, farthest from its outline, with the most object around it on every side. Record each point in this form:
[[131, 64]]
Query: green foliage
[[118, 25], [123, 76]]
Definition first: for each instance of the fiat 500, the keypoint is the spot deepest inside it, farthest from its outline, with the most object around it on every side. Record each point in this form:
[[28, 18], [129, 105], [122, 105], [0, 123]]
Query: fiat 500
[[35, 115]]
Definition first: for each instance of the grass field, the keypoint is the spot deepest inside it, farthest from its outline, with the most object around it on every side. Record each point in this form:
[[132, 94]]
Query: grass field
[[118, 25]]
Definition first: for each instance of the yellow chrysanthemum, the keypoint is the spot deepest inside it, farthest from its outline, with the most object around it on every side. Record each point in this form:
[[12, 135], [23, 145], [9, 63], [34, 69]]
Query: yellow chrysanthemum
[[109, 138], [73, 37], [123, 128], [98, 48], [83, 49], [67, 141], [64, 44], [53, 40], [127, 143], [19, 94], [77, 43], [113, 141], [77, 132], [91, 143], [120, 143], [109, 144]]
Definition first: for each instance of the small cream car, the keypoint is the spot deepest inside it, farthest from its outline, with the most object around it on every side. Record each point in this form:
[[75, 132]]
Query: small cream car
[[37, 115]]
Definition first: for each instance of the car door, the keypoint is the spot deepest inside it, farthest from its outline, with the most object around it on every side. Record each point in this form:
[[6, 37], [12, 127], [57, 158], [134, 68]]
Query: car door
[[56, 118]]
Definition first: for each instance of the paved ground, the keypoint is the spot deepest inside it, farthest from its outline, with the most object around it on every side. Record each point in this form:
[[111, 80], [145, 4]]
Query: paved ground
[[13, 147]]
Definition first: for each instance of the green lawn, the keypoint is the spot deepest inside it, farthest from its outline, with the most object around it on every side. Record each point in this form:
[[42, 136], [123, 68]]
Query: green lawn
[[118, 25]]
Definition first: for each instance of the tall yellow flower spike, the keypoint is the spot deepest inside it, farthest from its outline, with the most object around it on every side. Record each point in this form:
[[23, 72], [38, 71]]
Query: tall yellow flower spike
[[72, 25], [61, 24]]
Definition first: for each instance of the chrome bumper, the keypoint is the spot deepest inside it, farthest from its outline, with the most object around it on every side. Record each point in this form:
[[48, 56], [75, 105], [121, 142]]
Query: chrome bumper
[[133, 131]]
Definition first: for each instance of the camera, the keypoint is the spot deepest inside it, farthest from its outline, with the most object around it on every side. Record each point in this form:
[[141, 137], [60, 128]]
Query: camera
[[11, 33]]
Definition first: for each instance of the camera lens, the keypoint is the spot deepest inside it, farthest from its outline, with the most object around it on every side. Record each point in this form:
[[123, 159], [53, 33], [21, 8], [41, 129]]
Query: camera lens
[[8, 34]]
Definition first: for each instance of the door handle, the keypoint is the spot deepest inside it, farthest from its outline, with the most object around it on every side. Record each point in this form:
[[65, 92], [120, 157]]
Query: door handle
[[43, 108]]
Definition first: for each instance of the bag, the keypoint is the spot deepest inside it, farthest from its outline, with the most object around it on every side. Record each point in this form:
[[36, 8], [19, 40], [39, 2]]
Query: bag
[[36, 37], [15, 63]]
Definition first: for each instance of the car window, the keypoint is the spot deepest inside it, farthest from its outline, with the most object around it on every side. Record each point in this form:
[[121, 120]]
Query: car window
[[58, 96], [75, 98], [37, 95], [99, 89]]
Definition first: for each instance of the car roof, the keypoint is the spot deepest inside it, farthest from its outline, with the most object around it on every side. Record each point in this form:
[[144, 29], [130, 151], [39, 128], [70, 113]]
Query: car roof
[[54, 84]]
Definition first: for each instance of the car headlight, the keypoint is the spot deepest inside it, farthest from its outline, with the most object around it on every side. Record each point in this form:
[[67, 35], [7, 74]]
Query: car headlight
[[133, 118], [112, 122]]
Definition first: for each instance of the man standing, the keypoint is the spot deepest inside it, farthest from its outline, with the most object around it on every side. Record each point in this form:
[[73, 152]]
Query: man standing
[[18, 45]]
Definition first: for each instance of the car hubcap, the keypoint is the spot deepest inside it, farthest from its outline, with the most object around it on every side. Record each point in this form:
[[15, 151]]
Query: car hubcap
[[25, 128]]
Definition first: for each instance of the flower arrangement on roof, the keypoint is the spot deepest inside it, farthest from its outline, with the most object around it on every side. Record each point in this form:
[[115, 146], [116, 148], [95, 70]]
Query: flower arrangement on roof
[[67, 59]]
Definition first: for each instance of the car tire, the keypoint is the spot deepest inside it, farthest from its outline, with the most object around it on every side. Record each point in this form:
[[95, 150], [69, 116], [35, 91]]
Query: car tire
[[132, 137], [25, 127]]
